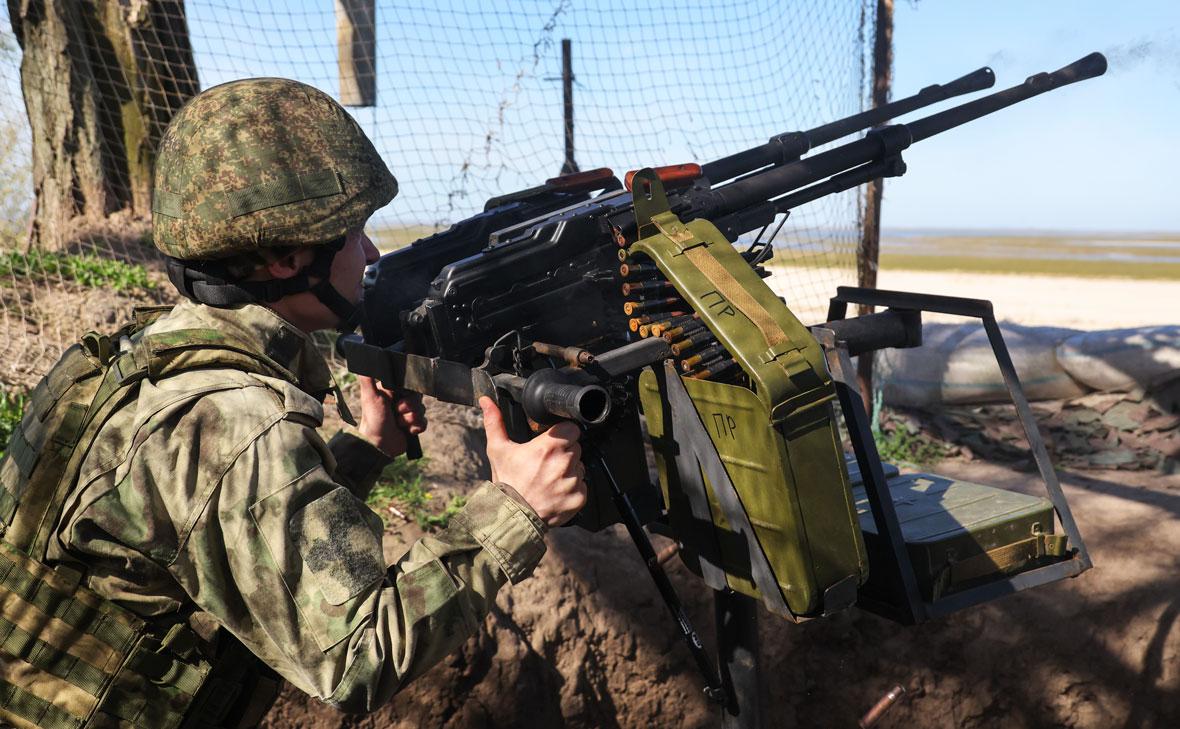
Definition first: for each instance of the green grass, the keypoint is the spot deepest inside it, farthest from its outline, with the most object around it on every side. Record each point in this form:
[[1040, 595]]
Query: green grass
[[12, 406], [401, 485], [88, 270], [897, 442]]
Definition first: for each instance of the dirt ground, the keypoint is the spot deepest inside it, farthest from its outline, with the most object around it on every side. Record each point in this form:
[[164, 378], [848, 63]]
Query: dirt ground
[[587, 643]]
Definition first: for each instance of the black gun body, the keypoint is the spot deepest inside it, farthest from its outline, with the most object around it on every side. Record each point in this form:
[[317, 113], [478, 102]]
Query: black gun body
[[554, 280], [403, 278]]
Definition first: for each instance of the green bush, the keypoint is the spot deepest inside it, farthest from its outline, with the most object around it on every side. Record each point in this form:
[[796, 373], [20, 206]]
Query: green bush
[[900, 440], [86, 269]]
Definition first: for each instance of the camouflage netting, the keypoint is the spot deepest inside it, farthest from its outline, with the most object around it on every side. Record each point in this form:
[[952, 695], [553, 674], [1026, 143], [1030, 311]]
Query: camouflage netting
[[463, 104]]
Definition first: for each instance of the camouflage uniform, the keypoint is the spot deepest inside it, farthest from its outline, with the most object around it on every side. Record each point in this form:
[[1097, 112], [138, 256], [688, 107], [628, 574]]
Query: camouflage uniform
[[213, 488]]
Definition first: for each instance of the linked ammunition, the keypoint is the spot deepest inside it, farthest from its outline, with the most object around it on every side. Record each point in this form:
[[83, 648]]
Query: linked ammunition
[[690, 363], [712, 369], [673, 320], [684, 330], [631, 308], [694, 340], [636, 322], [708, 363], [648, 288], [639, 270], [622, 254]]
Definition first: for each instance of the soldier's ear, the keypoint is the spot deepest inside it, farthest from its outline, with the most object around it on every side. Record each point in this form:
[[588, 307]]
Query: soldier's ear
[[291, 264]]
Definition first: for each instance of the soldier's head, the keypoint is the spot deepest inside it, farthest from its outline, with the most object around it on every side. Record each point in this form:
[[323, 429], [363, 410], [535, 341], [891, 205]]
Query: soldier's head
[[262, 190]]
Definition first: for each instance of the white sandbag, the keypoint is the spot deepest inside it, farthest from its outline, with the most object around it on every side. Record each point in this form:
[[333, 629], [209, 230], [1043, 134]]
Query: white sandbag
[[1122, 359], [955, 365]]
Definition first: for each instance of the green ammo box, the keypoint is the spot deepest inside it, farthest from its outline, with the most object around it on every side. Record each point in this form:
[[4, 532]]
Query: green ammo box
[[959, 534], [782, 526]]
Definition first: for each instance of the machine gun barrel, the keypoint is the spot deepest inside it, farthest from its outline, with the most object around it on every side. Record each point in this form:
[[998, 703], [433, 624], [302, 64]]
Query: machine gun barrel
[[883, 143], [790, 146]]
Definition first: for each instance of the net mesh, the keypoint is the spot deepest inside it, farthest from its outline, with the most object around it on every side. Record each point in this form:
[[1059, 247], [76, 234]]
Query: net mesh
[[466, 103]]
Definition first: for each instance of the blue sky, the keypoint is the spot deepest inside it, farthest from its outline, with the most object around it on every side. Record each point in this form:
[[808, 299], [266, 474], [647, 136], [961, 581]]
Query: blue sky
[[467, 108], [1098, 155]]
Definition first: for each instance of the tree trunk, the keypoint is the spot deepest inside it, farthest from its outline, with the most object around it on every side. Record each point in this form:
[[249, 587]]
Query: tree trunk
[[101, 80], [870, 242]]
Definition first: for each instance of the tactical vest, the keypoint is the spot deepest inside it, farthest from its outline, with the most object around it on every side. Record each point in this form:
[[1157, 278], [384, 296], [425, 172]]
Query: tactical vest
[[69, 657]]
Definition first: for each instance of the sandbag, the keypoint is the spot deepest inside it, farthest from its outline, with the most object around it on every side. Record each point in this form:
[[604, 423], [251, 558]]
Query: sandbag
[[955, 365], [1121, 360]]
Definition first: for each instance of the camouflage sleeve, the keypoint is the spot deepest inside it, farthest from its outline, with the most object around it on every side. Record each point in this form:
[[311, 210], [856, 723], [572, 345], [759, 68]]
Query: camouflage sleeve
[[358, 462], [290, 561]]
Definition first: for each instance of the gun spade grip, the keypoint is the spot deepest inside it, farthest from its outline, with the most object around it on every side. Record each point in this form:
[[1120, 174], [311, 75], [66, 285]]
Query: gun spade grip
[[983, 78], [1081, 69]]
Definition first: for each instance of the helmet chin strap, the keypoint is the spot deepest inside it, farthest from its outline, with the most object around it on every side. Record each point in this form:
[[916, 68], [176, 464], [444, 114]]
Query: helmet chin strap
[[209, 282], [349, 313]]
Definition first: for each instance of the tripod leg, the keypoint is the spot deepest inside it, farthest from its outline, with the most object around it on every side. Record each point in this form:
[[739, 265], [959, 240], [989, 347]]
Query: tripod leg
[[738, 654]]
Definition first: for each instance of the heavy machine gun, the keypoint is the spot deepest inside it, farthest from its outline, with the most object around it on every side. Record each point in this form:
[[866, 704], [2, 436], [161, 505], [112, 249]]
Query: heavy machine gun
[[561, 304]]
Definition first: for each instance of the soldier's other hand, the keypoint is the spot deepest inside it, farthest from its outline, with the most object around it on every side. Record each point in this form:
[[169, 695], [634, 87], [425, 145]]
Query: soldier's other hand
[[388, 415], [547, 471]]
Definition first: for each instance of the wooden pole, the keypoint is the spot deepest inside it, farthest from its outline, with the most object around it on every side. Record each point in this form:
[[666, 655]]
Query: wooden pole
[[567, 89], [870, 242], [356, 43]]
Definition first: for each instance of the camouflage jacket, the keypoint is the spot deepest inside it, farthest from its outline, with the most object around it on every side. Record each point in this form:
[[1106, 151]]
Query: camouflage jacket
[[214, 492]]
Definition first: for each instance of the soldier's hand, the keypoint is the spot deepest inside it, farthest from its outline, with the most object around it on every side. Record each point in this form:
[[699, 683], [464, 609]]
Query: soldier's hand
[[387, 416], [547, 471]]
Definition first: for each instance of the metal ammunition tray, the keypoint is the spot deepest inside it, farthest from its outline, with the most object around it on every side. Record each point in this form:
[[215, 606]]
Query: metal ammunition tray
[[957, 533]]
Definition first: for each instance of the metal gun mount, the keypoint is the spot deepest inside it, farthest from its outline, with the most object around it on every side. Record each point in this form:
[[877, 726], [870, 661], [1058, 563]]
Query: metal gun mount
[[840, 338]]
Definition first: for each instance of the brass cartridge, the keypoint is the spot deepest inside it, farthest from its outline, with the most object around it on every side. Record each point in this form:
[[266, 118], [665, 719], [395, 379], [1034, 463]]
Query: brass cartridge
[[634, 307], [690, 363], [648, 288], [639, 270]]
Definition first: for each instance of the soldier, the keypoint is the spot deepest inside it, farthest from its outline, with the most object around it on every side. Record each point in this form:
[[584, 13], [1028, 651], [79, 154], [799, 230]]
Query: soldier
[[201, 537]]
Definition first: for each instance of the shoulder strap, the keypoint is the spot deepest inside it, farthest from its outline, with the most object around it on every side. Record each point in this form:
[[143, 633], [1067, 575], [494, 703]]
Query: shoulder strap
[[33, 514]]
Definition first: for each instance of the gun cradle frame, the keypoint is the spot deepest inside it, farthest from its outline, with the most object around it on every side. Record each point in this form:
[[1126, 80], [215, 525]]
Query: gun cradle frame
[[903, 601]]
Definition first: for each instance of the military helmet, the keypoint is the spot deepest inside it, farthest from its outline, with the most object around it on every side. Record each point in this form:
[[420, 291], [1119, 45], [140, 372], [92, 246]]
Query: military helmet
[[261, 163]]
